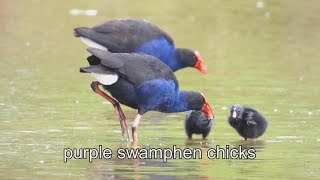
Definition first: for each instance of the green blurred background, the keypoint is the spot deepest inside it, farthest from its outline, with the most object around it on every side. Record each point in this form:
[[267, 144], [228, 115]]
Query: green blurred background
[[264, 54]]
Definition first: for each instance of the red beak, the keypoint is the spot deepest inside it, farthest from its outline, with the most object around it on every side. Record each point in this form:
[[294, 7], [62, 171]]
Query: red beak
[[206, 109], [200, 64]]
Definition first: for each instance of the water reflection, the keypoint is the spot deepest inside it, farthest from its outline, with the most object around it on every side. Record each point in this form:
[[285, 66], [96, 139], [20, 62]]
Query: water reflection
[[198, 143], [137, 169], [133, 169], [271, 63], [256, 144]]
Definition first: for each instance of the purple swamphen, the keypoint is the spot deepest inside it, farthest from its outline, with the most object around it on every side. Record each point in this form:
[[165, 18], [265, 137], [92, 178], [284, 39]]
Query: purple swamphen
[[141, 82], [140, 36]]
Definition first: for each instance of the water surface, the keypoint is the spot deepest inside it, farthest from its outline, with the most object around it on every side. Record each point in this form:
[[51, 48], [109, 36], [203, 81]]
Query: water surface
[[264, 56]]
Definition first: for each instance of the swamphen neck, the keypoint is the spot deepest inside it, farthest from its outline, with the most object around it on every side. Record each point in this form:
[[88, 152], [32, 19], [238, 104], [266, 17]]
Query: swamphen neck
[[168, 98], [196, 101], [185, 101], [175, 58]]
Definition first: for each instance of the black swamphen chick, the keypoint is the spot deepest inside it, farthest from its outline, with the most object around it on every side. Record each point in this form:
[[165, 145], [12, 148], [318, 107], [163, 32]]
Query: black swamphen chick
[[197, 123], [248, 122]]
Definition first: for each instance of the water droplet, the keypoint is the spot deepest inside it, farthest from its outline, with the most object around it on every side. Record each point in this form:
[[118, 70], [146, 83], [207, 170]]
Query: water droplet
[[301, 78], [48, 146], [275, 110], [54, 130], [75, 12], [310, 113], [267, 14], [26, 131], [224, 108], [276, 141], [106, 102], [81, 128], [91, 12], [116, 131], [76, 102], [260, 4], [286, 137]]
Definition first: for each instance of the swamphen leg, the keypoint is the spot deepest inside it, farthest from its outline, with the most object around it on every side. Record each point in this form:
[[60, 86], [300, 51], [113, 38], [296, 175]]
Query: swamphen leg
[[135, 126], [116, 105]]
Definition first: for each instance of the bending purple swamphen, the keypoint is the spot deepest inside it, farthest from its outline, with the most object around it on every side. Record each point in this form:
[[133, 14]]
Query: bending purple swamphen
[[141, 82], [140, 36]]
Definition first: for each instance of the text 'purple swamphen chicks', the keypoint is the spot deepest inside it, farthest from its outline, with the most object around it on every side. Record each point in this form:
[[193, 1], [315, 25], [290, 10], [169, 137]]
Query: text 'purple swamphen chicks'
[[248, 122], [141, 82], [197, 123], [140, 36]]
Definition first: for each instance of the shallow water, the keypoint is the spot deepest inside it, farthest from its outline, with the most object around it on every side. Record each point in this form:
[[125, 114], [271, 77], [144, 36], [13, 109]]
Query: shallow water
[[264, 55]]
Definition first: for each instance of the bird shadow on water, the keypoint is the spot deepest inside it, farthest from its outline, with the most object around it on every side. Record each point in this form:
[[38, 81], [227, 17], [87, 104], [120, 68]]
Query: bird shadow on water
[[134, 168], [128, 144], [197, 143], [256, 144]]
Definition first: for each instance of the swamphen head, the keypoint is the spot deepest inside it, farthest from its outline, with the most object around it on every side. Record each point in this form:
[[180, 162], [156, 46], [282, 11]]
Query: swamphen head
[[236, 111], [197, 123], [248, 122], [191, 58]]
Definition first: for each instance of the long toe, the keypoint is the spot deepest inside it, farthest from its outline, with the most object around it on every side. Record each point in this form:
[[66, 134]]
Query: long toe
[[128, 134], [122, 126], [122, 133], [134, 134]]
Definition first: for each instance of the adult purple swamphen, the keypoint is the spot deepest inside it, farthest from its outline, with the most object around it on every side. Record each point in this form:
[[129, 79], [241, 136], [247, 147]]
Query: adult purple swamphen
[[140, 36], [248, 122], [141, 82]]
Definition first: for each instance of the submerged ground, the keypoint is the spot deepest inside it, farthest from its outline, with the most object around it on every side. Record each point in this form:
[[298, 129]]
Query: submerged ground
[[264, 55]]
